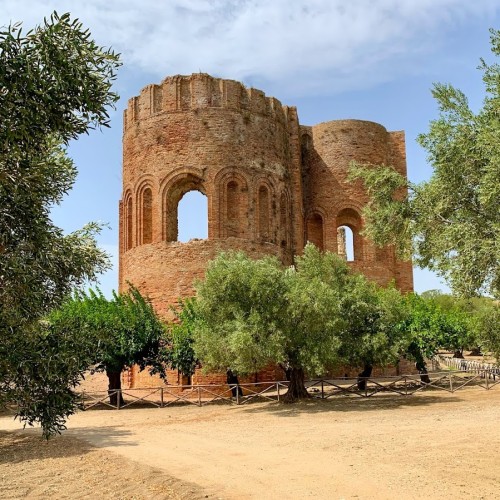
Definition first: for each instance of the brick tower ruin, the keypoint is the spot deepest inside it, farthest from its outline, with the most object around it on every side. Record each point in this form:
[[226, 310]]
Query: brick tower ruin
[[271, 183]]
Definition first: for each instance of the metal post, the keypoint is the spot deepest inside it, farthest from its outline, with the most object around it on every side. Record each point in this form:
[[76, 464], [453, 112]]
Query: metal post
[[161, 397], [118, 397], [451, 382], [237, 394], [322, 389], [278, 390], [199, 396]]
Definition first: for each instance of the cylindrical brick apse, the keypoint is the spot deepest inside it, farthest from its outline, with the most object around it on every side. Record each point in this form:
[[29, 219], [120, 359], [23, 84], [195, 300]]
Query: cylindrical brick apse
[[235, 145], [271, 184]]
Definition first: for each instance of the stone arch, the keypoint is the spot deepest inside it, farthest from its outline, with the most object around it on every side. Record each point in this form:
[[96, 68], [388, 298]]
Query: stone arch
[[144, 215], [175, 186], [128, 219], [350, 217], [315, 228], [232, 188], [265, 210]]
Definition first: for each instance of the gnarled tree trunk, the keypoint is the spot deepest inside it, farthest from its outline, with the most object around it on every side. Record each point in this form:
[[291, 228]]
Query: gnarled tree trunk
[[421, 366], [114, 384], [234, 384], [296, 387], [366, 373]]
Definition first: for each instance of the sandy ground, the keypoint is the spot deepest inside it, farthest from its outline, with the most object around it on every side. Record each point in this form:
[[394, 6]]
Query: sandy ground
[[429, 445]]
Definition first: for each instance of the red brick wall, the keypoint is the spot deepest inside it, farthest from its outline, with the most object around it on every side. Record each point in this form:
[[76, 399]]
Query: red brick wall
[[270, 183], [327, 150]]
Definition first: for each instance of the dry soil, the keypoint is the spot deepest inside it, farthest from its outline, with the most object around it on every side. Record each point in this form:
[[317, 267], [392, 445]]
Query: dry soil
[[429, 445]]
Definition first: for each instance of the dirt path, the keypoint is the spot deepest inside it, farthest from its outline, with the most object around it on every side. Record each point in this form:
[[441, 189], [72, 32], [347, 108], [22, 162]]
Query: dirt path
[[430, 445]]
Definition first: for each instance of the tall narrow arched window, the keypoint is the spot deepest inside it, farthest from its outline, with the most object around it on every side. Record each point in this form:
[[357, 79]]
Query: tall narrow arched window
[[232, 209], [128, 224], [232, 198], [314, 228], [284, 231], [345, 243], [264, 213], [147, 216]]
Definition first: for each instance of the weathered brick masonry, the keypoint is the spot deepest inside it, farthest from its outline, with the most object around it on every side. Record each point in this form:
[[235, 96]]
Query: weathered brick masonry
[[271, 183]]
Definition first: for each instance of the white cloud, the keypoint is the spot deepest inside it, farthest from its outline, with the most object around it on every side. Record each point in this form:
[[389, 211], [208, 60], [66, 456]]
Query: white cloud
[[295, 44]]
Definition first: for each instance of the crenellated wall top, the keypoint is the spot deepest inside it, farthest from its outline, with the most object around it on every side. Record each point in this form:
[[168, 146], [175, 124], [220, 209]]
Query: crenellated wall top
[[200, 91]]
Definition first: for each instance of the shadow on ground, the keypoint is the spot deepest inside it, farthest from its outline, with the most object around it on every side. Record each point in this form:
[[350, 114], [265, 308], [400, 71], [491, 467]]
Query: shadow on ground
[[24, 445], [347, 404], [106, 436], [28, 445]]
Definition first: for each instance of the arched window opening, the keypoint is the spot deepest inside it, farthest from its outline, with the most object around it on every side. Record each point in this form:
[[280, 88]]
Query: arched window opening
[[147, 216], [345, 243], [192, 219], [264, 213], [350, 220], [314, 228], [233, 206], [192, 216], [128, 226]]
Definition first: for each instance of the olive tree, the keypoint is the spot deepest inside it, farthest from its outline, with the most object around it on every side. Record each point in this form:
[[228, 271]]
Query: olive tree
[[309, 318], [55, 83], [450, 223]]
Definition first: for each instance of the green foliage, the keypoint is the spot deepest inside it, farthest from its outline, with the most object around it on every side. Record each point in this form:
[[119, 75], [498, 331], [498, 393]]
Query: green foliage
[[180, 352], [388, 214], [310, 317], [123, 331], [488, 331], [54, 85], [450, 223], [40, 373], [239, 307], [375, 319], [437, 321], [313, 323]]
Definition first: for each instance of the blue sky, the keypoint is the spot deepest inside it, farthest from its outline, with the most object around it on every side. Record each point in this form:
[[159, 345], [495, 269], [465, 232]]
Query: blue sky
[[372, 60]]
